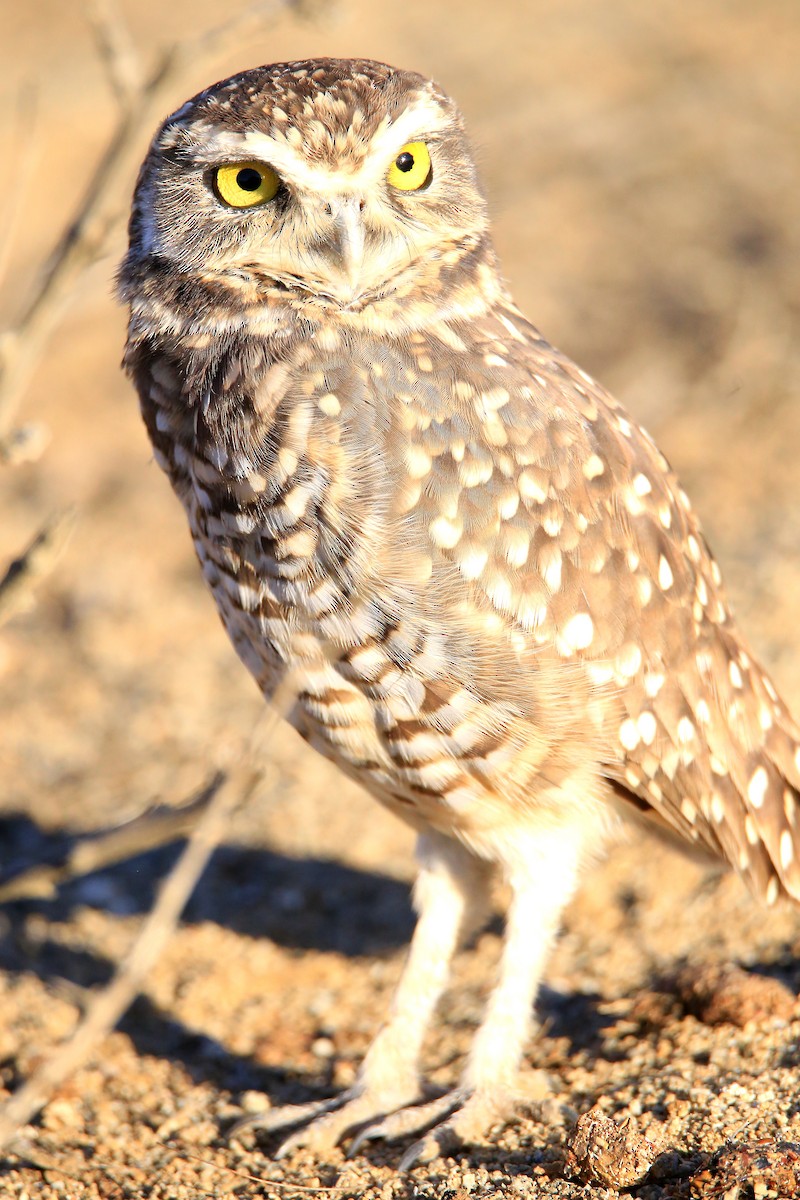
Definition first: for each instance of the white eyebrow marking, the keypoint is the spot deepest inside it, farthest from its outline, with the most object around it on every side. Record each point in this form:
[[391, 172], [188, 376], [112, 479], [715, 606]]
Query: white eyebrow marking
[[416, 123]]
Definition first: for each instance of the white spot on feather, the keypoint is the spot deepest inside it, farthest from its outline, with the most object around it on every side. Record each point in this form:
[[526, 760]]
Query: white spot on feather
[[629, 659], [757, 787], [786, 849], [473, 561], [577, 634], [593, 467], [653, 683], [418, 461], [329, 404], [686, 730], [647, 726], [532, 488], [717, 808], [629, 735], [296, 501], [445, 533]]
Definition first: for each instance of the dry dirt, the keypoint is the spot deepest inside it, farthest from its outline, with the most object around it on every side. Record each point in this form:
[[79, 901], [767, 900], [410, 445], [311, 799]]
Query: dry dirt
[[642, 165]]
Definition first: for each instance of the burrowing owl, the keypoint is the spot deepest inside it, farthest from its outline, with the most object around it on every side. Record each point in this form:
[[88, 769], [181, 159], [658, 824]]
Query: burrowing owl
[[492, 597]]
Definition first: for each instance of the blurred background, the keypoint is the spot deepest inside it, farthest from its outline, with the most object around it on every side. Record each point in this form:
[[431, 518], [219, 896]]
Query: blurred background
[[641, 162]]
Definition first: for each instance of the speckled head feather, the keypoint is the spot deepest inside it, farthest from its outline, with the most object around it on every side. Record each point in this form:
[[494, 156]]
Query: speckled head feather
[[492, 595], [337, 110]]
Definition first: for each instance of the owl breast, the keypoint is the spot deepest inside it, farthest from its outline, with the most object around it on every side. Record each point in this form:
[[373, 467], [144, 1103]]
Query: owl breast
[[309, 529]]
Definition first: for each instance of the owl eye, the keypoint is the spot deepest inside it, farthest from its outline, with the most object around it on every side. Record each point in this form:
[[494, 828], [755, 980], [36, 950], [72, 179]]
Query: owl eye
[[411, 170], [246, 184]]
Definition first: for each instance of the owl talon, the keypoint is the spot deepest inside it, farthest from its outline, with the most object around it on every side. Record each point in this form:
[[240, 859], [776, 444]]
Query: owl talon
[[457, 1118], [471, 1117], [289, 1114], [404, 1121], [324, 1123], [433, 1145]]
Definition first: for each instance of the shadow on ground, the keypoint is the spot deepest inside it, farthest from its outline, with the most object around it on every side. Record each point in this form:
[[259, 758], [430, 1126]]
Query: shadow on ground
[[308, 903], [297, 903]]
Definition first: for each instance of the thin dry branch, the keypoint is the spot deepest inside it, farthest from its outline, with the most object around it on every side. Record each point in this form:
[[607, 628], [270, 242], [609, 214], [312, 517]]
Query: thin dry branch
[[24, 573], [265, 1181], [24, 444], [117, 51], [108, 1005], [23, 152], [142, 101], [149, 831], [228, 792], [87, 234]]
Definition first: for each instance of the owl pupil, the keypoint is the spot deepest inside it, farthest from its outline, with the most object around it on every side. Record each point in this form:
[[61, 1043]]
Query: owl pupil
[[248, 179], [404, 161]]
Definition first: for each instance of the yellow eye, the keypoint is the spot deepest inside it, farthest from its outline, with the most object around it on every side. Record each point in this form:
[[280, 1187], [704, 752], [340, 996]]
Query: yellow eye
[[411, 170], [245, 184]]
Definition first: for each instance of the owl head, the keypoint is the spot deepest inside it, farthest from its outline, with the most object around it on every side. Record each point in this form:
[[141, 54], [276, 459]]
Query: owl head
[[333, 178]]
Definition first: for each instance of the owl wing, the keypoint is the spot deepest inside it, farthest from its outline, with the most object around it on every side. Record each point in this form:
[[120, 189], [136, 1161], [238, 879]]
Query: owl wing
[[571, 526]]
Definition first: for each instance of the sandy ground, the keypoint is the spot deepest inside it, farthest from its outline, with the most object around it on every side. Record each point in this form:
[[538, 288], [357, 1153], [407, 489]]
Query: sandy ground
[[642, 165]]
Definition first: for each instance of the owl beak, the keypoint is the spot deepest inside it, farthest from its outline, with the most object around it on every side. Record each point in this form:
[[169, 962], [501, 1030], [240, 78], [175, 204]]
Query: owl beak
[[348, 225]]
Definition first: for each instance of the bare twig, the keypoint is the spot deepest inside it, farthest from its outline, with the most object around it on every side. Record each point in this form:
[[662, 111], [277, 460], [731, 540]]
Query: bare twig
[[143, 99], [146, 832], [46, 1158], [228, 793], [22, 576], [24, 444], [23, 153], [317, 1189], [117, 52], [108, 1006], [87, 234]]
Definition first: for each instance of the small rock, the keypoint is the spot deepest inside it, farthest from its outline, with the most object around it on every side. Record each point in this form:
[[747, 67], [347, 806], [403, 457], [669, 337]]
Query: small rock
[[719, 995], [323, 1047], [601, 1150], [62, 1113], [760, 1169], [654, 1010], [254, 1102]]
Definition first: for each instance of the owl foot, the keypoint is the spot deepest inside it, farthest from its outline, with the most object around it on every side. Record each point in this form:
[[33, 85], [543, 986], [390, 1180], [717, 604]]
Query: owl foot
[[325, 1122], [460, 1117]]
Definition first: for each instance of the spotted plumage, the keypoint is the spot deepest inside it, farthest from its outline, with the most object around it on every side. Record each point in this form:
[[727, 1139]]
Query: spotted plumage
[[490, 594]]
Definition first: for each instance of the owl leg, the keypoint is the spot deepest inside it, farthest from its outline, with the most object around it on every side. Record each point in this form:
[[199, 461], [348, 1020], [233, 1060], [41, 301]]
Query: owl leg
[[451, 898], [542, 881]]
